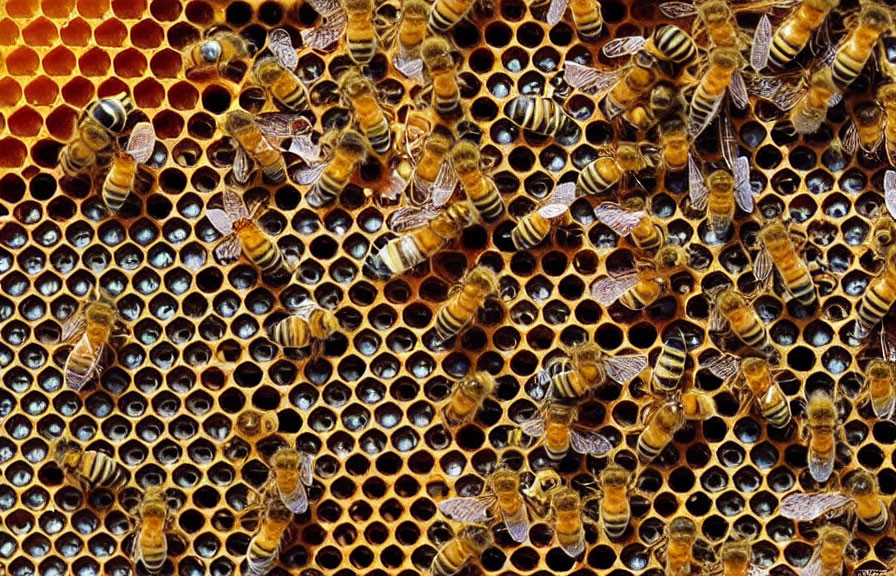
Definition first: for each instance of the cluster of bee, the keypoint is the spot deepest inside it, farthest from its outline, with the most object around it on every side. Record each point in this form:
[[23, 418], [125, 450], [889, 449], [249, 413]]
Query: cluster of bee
[[674, 88]]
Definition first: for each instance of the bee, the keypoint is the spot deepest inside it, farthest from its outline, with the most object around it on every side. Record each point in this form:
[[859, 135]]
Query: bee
[[150, 544], [663, 102], [880, 294], [585, 14], [252, 424], [830, 550], [242, 234], [540, 115], [325, 36], [675, 142], [433, 172], [309, 324], [329, 178], [758, 383], [92, 329], [252, 142], [481, 191], [820, 431], [697, 405], [632, 220], [720, 192], [866, 131], [586, 368], [445, 14], [615, 508], [538, 494], [567, 512], [265, 544], [887, 96], [292, 473], [120, 179], [505, 499], [436, 55], [853, 53], [99, 125], [470, 295], [721, 75], [218, 50], [879, 388], [811, 109], [406, 251], [411, 32], [555, 427], [469, 543], [534, 227], [681, 534], [670, 365], [360, 36], [780, 254], [467, 397], [736, 558], [732, 309], [600, 175], [275, 73], [643, 286], [792, 35], [90, 468], [861, 497], [361, 97], [661, 424]]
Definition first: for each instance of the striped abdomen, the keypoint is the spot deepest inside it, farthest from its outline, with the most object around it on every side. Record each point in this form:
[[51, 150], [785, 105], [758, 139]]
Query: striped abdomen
[[291, 332], [530, 231], [259, 248], [119, 182], [446, 13], [100, 470]]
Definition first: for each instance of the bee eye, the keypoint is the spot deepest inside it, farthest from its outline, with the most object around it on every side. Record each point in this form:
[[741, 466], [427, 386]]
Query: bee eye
[[211, 51]]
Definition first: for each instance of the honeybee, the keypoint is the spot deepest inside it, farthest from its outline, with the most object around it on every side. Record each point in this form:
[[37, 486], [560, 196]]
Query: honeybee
[[646, 284], [505, 498], [265, 544], [716, 16], [811, 109], [467, 397], [632, 219], [92, 329], [150, 544], [779, 253], [586, 368], [534, 227], [542, 116], [670, 364], [275, 73], [664, 101], [99, 125], [567, 513], [792, 35], [736, 558], [434, 178], [820, 430], [678, 553], [720, 192], [243, 235], [853, 52], [830, 551], [218, 50], [436, 55], [887, 96], [879, 388], [862, 497], [360, 36], [697, 405], [89, 468], [308, 325], [469, 543], [361, 97], [445, 14], [406, 251], [866, 131], [120, 179], [410, 35], [538, 494], [481, 191], [325, 35], [675, 142], [661, 423], [608, 169], [251, 135], [733, 311], [880, 294], [615, 508], [757, 382], [329, 178], [585, 14], [292, 473], [721, 75], [555, 427], [469, 296]]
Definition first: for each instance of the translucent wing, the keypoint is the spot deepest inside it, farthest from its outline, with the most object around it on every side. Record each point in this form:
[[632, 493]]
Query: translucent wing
[[306, 464], [556, 10], [517, 525], [728, 140], [220, 220], [280, 45], [304, 309], [588, 442], [804, 507], [533, 427], [279, 125], [608, 290], [325, 7], [297, 500], [762, 266], [698, 192], [821, 466], [467, 509], [813, 568], [696, 126], [782, 93], [624, 369], [835, 99], [890, 191], [397, 184], [755, 570], [620, 220], [242, 166], [310, 174], [887, 347], [743, 190], [305, 148], [724, 366], [76, 376], [234, 205], [559, 201], [625, 46], [851, 139], [738, 91], [141, 143], [327, 34], [229, 249], [411, 217], [73, 327], [573, 549], [678, 9], [408, 67], [444, 185], [589, 80], [762, 43]]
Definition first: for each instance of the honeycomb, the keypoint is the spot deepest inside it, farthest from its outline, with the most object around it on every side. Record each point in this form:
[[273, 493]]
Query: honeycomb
[[368, 407]]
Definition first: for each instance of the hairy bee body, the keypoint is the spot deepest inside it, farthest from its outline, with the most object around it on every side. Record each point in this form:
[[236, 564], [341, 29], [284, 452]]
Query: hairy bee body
[[412, 30], [93, 327], [265, 544], [647, 291], [530, 231], [480, 190], [854, 52], [879, 296], [460, 310], [285, 88], [675, 142], [360, 36], [887, 96], [568, 526], [240, 126], [446, 14], [92, 469], [540, 115], [670, 365], [810, 111], [681, 534], [712, 86], [830, 550], [298, 332], [788, 263], [101, 122], [347, 157], [219, 49], [436, 54], [292, 473], [469, 543], [587, 17], [721, 25], [720, 200], [772, 402], [871, 510], [259, 249], [661, 426], [820, 429], [615, 509], [794, 33], [742, 319], [467, 397], [361, 95], [151, 546], [880, 387], [119, 181], [557, 420], [637, 79]]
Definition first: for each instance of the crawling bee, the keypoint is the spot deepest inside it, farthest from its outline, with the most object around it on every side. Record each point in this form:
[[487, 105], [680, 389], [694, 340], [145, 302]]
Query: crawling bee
[[89, 468], [292, 474], [329, 178], [631, 219], [861, 497], [92, 329], [736, 557], [675, 142], [276, 73], [830, 550], [587, 368], [757, 386], [555, 427], [567, 512], [856, 49], [646, 284], [541, 115], [810, 111], [661, 424], [670, 364], [467, 397], [678, 556], [720, 192], [792, 35], [534, 227], [123, 171], [866, 130], [880, 294], [308, 325], [887, 96], [585, 14], [505, 499], [360, 36], [481, 190], [615, 507], [436, 55], [469, 543], [607, 170], [820, 431], [265, 544], [410, 35], [253, 142], [779, 253], [218, 50], [360, 96], [477, 285], [721, 76], [731, 311], [151, 544], [99, 125]]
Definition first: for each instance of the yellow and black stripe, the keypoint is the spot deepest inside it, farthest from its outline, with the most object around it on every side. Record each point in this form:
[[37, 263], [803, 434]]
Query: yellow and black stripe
[[670, 365], [260, 250], [446, 14], [540, 115], [100, 470], [530, 231]]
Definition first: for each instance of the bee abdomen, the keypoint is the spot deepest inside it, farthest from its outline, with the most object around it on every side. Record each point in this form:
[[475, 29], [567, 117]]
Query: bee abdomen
[[777, 415], [669, 368], [448, 323], [362, 51], [103, 471], [379, 136], [490, 205], [291, 332]]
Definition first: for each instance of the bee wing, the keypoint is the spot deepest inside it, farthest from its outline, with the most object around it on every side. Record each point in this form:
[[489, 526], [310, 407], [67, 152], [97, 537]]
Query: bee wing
[[411, 217], [620, 220], [306, 464], [755, 570], [444, 185], [304, 309], [678, 9], [328, 33], [562, 196], [804, 507], [325, 7], [762, 266], [887, 347], [850, 139], [242, 166], [280, 125], [220, 220], [890, 192], [305, 148], [625, 46], [234, 205], [738, 91], [624, 369], [588, 442], [743, 190], [590, 80], [229, 249], [517, 526], [696, 127], [297, 500], [556, 10], [821, 466], [698, 192], [408, 67], [813, 567], [533, 427], [782, 93], [280, 45], [76, 377], [724, 366], [141, 143], [608, 290], [74, 327], [467, 509], [727, 139], [762, 43], [575, 548], [397, 184], [310, 174]]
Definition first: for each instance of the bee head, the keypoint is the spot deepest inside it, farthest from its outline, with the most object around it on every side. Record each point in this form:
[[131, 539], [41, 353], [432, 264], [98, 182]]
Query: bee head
[[439, 142], [436, 53], [821, 408], [479, 385], [682, 529], [728, 300], [278, 512], [736, 551], [358, 6], [465, 157], [62, 447], [154, 504], [725, 57], [504, 480], [875, 17], [353, 83], [485, 278], [614, 475], [878, 369], [868, 114], [833, 534], [774, 233], [566, 499], [861, 483], [266, 70], [237, 121], [714, 11], [753, 366]]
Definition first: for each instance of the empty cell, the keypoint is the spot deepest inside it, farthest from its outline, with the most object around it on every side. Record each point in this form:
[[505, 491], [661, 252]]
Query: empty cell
[[12, 153], [9, 32], [165, 10]]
